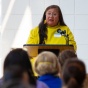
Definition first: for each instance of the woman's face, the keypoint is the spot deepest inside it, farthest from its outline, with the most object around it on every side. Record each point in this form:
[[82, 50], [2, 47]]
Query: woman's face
[[52, 17]]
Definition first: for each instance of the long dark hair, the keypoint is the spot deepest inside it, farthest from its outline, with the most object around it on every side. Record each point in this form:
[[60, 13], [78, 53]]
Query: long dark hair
[[74, 73], [19, 57], [42, 25]]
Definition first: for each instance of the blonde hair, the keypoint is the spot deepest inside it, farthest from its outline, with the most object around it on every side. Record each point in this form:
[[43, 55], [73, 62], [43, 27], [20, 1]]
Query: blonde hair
[[47, 63]]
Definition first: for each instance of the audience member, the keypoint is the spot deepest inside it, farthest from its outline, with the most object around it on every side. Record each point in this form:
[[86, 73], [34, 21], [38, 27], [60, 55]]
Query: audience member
[[47, 67], [18, 66], [65, 55], [16, 77], [74, 73], [18, 57]]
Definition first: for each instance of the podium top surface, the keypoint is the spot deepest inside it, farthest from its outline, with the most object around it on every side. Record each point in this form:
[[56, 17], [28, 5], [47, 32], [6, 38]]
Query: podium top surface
[[46, 45]]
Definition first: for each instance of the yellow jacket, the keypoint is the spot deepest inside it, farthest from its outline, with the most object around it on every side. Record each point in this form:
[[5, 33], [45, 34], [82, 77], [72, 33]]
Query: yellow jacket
[[52, 36]]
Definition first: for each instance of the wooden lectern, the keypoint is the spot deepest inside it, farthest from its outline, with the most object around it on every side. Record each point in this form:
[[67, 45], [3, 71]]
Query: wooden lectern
[[35, 49]]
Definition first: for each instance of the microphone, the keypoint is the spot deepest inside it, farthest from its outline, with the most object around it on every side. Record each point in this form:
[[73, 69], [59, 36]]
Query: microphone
[[61, 32]]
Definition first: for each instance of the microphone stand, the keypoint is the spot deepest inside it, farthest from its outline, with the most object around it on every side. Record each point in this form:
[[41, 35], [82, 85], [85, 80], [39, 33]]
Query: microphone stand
[[67, 38], [63, 33]]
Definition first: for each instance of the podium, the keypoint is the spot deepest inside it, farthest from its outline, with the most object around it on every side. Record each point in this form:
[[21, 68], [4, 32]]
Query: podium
[[35, 49]]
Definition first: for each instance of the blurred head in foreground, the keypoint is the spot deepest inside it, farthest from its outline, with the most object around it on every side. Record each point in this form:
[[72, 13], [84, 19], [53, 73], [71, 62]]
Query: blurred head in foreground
[[74, 73], [47, 63], [17, 66]]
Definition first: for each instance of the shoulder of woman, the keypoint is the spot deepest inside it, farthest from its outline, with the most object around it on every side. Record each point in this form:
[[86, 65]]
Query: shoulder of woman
[[65, 27], [34, 30]]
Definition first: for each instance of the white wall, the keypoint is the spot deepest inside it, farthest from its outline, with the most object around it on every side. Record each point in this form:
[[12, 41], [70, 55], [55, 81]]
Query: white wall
[[19, 16]]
